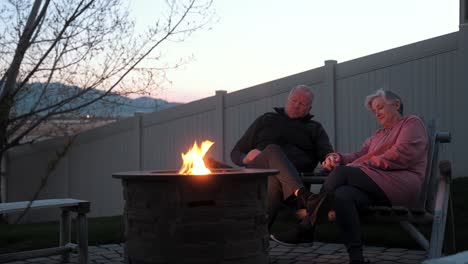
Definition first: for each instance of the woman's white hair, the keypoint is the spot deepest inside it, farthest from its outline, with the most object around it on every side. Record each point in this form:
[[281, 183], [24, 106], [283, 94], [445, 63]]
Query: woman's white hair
[[385, 94]]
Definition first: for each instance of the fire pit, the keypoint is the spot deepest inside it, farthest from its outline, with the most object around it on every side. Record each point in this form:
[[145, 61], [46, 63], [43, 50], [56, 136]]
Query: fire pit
[[214, 218]]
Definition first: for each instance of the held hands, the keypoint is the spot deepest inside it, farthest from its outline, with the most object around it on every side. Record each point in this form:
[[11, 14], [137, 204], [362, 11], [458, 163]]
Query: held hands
[[251, 156], [331, 161]]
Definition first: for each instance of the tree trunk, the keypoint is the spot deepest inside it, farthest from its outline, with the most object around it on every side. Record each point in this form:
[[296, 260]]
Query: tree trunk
[[2, 182]]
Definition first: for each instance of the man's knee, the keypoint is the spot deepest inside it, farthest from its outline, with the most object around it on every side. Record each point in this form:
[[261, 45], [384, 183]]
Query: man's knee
[[274, 154], [272, 148], [275, 157]]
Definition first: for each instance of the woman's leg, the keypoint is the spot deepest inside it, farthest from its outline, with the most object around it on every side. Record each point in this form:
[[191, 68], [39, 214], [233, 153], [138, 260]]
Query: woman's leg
[[352, 190], [348, 201], [353, 176]]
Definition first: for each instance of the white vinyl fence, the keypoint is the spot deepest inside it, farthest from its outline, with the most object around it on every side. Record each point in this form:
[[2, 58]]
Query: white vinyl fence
[[430, 76]]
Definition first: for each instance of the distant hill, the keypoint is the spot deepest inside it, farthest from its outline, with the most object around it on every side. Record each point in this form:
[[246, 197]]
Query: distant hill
[[112, 106]]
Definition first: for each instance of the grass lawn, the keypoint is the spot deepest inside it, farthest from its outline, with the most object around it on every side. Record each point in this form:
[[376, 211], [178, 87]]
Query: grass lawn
[[109, 230], [103, 230]]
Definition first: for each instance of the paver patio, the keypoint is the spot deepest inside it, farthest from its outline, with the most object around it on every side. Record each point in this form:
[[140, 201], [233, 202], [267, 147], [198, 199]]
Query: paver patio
[[319, 253]]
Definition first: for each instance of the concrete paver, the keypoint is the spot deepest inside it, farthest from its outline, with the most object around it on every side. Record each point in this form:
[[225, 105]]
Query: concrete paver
[[319, 253]]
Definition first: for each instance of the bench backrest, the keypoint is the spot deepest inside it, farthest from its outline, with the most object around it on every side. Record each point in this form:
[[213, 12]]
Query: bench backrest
[[427, 195]]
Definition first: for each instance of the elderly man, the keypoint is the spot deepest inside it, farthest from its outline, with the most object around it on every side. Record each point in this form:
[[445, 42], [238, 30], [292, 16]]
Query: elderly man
[[290, 141]]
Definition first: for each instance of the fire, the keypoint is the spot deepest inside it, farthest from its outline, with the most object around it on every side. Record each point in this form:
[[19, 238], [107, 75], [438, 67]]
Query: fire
[[193, 159]]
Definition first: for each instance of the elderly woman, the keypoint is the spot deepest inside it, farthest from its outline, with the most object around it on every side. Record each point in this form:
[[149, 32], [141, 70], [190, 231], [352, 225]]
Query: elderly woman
[[388, 169]]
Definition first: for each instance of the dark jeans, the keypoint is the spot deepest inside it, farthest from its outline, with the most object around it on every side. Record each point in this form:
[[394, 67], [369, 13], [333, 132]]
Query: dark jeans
[[280, 186], [352, 190]]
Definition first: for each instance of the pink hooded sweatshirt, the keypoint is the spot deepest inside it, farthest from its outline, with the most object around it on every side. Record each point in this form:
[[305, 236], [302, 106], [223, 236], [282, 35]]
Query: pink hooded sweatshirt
[[395, 159]]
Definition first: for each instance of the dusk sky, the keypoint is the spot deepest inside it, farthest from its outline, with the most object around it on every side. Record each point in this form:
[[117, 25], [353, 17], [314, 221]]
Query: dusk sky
[[256, 41]]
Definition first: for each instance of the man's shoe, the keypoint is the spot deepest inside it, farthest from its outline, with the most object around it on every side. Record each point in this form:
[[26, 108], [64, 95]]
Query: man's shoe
[[298, 236]]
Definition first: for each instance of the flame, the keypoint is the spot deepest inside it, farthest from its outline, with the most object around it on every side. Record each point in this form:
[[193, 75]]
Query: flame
[[193, 159]]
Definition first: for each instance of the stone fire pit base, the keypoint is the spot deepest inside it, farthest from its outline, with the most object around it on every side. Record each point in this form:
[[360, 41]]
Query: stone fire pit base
[[217, 218]]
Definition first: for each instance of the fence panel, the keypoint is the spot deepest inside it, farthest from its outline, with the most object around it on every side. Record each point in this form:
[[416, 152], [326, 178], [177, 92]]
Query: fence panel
[[426, 74]]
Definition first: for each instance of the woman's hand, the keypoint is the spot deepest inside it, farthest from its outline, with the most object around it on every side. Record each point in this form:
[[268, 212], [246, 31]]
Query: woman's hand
[[331, 161]]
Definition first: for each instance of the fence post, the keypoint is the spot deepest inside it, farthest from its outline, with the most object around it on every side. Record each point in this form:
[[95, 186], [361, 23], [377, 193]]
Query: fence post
[[463, 45], [219, 126], [329, 96], [461, 84], [3, 177], [463, 12]]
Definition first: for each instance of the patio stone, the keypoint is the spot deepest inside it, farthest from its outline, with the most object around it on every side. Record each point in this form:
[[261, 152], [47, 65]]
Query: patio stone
[[319, 253]]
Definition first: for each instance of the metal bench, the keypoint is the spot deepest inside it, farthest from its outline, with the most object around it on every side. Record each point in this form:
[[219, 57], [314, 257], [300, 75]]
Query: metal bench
[[434, 205], [80, 207]]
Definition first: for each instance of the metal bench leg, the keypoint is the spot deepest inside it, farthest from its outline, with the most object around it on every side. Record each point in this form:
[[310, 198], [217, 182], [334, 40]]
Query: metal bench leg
[[415, 234], [440, 217], [82, 238], [126, 260], [65, 232], [450, 244], [437, 236]]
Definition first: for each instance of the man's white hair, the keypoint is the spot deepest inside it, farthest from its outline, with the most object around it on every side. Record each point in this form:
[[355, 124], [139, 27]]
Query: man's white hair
[[304, 88]]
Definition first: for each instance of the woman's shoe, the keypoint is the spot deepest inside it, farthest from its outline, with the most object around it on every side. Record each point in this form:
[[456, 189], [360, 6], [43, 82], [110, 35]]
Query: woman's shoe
[[313, 205], [310, 201]]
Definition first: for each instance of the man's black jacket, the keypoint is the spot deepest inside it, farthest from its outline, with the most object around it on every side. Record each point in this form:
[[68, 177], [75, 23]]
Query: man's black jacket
[[303, 140]]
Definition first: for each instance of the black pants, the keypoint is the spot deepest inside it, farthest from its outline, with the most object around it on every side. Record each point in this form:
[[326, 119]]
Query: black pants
[[352, 190], [280, 186]]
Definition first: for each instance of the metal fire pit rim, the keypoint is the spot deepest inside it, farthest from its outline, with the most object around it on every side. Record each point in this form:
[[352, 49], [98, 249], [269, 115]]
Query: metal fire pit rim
[[165, 174]]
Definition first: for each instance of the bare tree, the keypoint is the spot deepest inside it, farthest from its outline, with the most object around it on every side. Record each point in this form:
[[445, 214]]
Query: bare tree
[[89, 44]]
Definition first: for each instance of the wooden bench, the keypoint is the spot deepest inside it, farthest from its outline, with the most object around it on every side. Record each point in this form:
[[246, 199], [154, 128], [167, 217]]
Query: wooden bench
[[434, 205], [80, 207]]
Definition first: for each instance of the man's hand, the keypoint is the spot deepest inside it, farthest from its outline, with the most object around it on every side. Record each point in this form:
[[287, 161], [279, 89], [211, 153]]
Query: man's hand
[[251, 156], [332, 160]]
